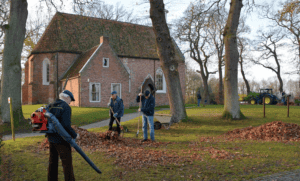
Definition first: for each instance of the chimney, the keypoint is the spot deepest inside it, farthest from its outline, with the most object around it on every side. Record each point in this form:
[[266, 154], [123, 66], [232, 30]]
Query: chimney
[[104, 39]]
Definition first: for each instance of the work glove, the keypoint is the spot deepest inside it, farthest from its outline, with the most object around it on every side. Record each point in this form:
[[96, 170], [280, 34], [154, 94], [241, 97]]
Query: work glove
[[108, 105], [77, 137], [115, 115], [140, 94], [40, 109]]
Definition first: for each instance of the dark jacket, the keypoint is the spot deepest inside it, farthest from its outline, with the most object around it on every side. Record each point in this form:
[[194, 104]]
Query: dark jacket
[[64, 117], [198, 96], [147, 105], [117, 107]]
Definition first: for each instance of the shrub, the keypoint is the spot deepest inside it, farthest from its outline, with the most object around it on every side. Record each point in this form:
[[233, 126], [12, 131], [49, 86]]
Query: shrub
[[250, 95]]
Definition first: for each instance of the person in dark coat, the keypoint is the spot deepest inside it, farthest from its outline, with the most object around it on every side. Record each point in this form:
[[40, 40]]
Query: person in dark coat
[[58, 146], [199, 98], [116, 104], [148, 104]]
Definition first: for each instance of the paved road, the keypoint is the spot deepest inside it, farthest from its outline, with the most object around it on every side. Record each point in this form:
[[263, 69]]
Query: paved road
[[125, 118]]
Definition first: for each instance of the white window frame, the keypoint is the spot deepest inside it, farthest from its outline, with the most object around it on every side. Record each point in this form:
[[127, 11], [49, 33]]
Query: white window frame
[[45, 62], [107, 62], [164, 90], [90, 91], [111, 87]]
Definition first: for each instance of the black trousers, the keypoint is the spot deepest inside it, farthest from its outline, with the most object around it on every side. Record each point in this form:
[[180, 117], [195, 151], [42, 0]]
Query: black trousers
[[111, 122], [63, 150]]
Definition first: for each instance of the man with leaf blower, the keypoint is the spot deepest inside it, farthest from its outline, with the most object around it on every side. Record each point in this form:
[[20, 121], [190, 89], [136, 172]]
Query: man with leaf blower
[[116, 110], [58, 146], [148, 104]]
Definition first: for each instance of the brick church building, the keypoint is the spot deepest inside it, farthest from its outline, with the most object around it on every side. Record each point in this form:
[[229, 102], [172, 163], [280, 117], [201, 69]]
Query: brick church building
[[91, 57]]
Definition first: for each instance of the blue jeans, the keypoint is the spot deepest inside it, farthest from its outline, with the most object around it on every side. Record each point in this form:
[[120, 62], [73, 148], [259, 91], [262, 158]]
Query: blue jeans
[[199, 100], [148, 119]]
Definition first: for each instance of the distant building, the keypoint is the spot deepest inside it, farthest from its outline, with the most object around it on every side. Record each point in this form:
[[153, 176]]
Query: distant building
[[96, 56]]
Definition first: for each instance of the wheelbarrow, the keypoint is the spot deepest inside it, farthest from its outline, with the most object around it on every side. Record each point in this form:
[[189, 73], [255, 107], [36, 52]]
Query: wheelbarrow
[[162, 119]]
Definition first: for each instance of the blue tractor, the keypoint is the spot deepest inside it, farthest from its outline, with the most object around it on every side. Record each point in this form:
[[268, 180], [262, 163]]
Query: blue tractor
[[267, 94], [284, 98]]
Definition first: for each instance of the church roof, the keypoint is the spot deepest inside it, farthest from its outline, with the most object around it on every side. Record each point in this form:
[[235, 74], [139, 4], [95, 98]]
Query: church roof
[[79, 34], [79, 63]]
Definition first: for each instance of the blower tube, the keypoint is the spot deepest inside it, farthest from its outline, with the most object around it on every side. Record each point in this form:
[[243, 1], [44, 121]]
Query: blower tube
[[66, 136]]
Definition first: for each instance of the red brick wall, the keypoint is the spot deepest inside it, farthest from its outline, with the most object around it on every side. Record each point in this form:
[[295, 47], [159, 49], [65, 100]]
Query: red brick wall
[[73, 86], [95, 72], [37, 92], [25, 86], [140, 68]]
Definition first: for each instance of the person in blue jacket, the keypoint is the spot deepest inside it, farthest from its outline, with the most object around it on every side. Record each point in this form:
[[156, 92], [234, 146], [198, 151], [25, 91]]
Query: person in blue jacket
[[116, 104], [148, 104], [58, 146], [199, 98]]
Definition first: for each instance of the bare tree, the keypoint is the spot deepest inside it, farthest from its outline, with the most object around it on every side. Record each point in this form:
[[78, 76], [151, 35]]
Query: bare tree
[[268, 44], [231, 107], [110, 12], [15, 32], [242, 43], [216, 27], [11, 73], [213, 88], [4, 15], [288, 18], [241, 86], [255, 86], [193, 30], [192, 82], [166, 53]]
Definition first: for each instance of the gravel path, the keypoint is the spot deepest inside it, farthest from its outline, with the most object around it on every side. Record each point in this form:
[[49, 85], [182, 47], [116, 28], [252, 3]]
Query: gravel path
[[125, 118]]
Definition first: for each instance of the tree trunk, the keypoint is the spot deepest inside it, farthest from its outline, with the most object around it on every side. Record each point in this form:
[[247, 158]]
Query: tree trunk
[[166, 53], [232, 107], [205, 85], [244, 76], [220, 82], [11, 73], [206, 92], [280, 82]]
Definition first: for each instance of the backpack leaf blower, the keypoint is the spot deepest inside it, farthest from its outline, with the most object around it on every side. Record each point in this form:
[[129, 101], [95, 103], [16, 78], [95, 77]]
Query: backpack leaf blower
[[46, 122]]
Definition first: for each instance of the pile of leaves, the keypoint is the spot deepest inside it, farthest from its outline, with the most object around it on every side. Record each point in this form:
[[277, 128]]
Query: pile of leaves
[[129, 152], [88, 139], [273, 131]]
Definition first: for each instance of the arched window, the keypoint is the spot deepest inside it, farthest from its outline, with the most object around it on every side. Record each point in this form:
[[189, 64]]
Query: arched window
[[46, 72], [160, 81]]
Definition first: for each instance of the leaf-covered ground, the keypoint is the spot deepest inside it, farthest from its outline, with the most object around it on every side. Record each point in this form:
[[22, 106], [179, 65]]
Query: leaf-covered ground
[[204, 148], [131, 153]]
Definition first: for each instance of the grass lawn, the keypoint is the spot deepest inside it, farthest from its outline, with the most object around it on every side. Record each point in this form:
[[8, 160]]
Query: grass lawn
[[80, 116], [253, 158]]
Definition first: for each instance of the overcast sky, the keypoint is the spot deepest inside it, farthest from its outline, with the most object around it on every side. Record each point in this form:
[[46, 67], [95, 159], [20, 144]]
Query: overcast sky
[[176, 9]]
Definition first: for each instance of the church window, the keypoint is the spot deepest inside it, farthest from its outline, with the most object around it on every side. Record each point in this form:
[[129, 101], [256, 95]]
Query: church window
[[160, 82], [105, 62], [95, 90], [116, 87], [46, 72]]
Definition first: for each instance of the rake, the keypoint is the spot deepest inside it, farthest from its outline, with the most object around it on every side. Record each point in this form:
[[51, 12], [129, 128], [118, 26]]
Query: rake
[[121, 127]]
